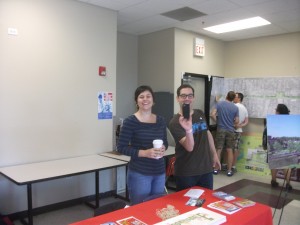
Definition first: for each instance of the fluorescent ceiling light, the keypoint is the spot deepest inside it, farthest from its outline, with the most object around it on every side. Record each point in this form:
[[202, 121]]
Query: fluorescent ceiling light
[[238, 25]]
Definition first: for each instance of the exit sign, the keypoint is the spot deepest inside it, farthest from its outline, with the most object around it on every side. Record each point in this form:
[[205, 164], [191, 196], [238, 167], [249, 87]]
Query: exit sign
[[199, 47]]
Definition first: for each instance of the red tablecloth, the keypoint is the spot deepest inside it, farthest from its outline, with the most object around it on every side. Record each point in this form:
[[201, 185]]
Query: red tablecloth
[[146, 212]]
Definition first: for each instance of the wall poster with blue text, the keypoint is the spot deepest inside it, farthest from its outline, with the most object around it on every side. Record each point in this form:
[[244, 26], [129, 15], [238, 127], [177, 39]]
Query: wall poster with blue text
[[105, 102]]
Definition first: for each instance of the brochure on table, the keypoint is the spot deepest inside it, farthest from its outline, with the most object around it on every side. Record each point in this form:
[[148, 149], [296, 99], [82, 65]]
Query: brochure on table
[[197, 216], [224, 206], [223, 195], [244, 203]]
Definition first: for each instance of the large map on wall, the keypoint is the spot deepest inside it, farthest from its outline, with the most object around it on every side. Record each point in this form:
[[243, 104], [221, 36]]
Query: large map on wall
[[261, 95]]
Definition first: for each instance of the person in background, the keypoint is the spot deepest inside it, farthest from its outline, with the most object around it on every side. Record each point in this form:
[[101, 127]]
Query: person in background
[[281, 109], [243, 121], [226, 114], [195, 151], [146, 168]]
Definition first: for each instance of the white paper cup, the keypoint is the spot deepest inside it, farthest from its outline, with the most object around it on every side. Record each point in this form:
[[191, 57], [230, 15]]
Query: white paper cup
[[157, 143]]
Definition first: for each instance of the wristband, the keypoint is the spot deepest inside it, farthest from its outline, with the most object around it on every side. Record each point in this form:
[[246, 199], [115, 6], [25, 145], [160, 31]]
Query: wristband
[[189, 131]]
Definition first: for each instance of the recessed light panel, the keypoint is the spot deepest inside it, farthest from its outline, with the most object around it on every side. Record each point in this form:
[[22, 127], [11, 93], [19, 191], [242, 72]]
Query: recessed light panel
[[238, 25]]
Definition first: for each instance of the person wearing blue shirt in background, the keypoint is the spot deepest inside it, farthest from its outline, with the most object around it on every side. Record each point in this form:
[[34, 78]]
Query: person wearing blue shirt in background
[[146, 169], [226, 114]]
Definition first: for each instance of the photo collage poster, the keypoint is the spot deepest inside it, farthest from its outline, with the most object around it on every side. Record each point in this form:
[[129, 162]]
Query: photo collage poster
[[283, 141]]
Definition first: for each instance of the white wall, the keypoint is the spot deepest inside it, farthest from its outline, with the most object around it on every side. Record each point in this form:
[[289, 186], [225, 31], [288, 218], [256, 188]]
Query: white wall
[[48, 92]]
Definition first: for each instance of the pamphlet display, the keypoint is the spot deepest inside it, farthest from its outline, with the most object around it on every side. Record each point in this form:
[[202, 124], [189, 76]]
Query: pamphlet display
[[224, 206], [244, 203]]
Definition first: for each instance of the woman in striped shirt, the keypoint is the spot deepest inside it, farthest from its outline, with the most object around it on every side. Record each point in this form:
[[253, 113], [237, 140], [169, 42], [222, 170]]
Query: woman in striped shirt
[[146, 169]]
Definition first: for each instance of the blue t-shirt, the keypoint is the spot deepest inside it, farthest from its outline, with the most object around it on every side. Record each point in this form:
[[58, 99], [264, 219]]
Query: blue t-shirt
[[227, 112]]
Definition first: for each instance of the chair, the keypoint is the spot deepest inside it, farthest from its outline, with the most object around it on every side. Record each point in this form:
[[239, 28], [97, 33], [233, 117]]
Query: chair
[[110, 207], [170, 171], [170, 167], [171, 140]]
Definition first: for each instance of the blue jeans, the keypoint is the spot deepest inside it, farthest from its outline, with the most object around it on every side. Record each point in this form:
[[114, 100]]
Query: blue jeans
[[142, 187], [184, 182]]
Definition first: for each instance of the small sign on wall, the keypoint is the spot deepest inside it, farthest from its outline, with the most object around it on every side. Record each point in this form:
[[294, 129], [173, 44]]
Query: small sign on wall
[[199, 47], [105, 102]]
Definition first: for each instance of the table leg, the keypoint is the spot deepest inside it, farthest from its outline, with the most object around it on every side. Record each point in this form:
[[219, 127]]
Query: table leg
[[126, 192], [29, 199], [97, 188], [96, 205]]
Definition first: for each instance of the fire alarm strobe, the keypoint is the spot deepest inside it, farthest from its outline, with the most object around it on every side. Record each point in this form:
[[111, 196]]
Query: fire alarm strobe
[[102, 71]]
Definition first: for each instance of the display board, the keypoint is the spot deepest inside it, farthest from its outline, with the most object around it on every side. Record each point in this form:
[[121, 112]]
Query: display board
[[261, 95], [253, 158], [283, 141]]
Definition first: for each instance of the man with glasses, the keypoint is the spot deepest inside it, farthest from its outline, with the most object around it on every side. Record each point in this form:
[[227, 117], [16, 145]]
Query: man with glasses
[[195, 151], [226, 114]]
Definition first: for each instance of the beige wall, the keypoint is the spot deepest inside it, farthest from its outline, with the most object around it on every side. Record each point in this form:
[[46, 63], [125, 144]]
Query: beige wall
[[259, 57], [49, 79], [49, 83], [48, 91], [156, 60], [165, 55], [127, 74], [271, 56], [185, 61]]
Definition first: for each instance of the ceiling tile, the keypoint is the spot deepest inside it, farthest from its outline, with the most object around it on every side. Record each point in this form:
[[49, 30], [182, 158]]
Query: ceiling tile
[[143, 16]]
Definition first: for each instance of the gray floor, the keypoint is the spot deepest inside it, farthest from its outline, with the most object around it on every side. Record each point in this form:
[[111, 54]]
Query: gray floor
[[290, 215]]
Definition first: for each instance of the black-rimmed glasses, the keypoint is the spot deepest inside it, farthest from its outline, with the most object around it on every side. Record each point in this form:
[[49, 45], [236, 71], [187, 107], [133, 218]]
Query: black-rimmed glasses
[[184, 96]]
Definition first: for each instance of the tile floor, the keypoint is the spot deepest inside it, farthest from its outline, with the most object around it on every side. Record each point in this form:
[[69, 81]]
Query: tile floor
[[290, 215]]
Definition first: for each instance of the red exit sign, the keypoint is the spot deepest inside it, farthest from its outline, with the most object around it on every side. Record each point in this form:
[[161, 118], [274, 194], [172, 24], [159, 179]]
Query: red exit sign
[[199, 47]]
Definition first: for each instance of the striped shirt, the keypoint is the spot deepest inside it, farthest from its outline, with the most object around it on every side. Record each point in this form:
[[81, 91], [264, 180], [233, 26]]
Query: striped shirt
[[136, 135]]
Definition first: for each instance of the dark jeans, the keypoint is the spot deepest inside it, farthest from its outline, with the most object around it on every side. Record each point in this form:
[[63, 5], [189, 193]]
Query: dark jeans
[[184, 182]]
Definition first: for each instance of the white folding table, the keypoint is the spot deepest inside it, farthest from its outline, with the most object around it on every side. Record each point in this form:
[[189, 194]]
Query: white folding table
[[27, 174]]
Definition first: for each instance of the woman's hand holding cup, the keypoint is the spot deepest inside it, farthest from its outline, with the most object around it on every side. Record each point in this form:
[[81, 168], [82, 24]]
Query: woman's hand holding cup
[[158, 146]]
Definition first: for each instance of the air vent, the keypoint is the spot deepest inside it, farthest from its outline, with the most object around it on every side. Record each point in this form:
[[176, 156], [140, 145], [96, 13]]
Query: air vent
[[183, 14]]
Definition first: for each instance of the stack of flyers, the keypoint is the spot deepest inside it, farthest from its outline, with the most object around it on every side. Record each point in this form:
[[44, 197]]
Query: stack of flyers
[[224, 206], [223, 195], [194, 193], [244, 203]]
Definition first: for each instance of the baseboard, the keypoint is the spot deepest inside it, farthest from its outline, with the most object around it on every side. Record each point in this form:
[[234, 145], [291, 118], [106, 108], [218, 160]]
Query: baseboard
[[60, 205]]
